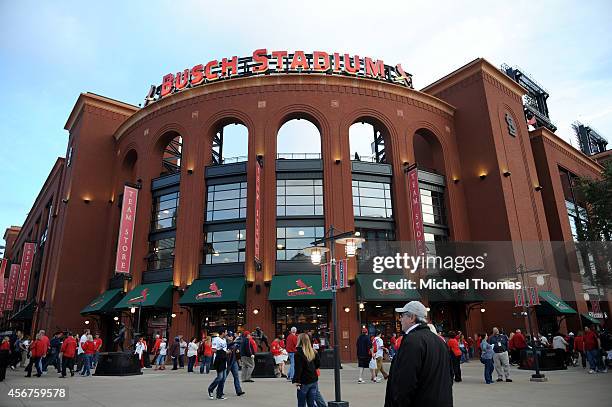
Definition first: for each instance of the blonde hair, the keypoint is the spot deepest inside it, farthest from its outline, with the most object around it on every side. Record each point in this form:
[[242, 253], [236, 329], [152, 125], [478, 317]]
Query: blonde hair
[[304, 342]]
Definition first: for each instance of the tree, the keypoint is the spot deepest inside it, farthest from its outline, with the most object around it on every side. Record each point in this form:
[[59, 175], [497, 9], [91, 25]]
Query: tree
[[598, 195]]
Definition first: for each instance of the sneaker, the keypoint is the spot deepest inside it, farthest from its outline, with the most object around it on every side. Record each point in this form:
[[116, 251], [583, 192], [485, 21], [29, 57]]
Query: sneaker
[[591, 371], [509, 380], [360, 381], [210, 395], [500, 380], [222, 397], [378, 380], [240, 393], [12, 367]]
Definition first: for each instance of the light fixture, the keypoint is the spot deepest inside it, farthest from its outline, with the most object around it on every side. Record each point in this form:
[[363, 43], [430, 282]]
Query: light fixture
[[507, 173], [428, 309], [538, 188], [116, 318], [378, 306], [338, 161], [406, 163], [482, 310], [313, 307], [361, 306], [190, 171], [133, 310], [455, 180], [483, 176], [586, 296], [540, 280], [87, 322], [173, 315], [315, 253], [351, 244], [255, 311], [358, 233], [86, 200]]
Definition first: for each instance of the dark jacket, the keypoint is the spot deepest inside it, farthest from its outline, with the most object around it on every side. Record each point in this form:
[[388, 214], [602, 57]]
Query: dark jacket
[[246, 348], [363, 346], [420, 372], [175, 349], [220, 361], [305, 371]]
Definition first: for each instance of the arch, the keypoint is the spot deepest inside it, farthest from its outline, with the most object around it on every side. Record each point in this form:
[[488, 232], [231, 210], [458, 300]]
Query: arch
[[230, 141], [428, 151], [298, 138], [168, 150], [378, 122], [368, 139], [128, 166], [301, 112]]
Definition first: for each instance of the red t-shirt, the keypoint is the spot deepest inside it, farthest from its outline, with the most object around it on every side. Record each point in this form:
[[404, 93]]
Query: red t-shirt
[[89, 348], [38, 349], [292, 343], [5, 346], [579, 344], [276, 348], [392, 341], [208, 350], [590, 340], [46, 342], [156, 345], [69, 347], [453, 345], [97, 344]]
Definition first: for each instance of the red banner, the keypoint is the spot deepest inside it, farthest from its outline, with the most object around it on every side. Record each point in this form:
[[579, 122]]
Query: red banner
[[534, 297], [2, 271], [595, 307], [126, 230], [257, 210], [26, 267], [12, 287], [519, 298], [326, 277], [342, 274], [417, 212]]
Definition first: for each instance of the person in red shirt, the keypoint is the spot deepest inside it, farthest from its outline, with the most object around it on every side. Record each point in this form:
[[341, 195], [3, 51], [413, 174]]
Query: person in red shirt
[[43, 359], [516, 344], [68, 352], [453, 346], [37, 350], [280, 355], [89, 350], [591, 348], [291, 349], [579, 347], [98, 348], [5, 348]]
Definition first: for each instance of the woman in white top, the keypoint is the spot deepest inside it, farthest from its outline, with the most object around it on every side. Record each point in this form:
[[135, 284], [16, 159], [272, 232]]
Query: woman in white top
[[192, 351], [140, 348], [161, 358]]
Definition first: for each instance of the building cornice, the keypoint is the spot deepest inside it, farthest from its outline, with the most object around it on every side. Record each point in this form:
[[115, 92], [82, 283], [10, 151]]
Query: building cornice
[[310, 82], [100, 102], [472, 68]]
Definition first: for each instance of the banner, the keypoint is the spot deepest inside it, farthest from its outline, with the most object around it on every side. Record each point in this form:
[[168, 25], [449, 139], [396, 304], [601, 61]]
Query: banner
[[342, 274], [519, 298], [2, 271], [257, 210], [534, 297], [417, 212], [595, 307], [26, 267], [12, 287], [126, 230], [326, 277]]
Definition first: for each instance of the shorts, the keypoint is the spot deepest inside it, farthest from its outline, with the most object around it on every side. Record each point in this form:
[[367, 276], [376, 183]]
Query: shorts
[[363, 362]]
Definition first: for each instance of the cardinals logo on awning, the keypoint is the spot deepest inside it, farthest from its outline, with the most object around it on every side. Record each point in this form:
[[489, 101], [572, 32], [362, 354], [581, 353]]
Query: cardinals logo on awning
[[304, 289], [96, 302], [141, 298], [215, 292]]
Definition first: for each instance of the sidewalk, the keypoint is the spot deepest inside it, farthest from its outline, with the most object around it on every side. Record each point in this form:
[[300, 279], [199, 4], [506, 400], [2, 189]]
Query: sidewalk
[[571, 387]]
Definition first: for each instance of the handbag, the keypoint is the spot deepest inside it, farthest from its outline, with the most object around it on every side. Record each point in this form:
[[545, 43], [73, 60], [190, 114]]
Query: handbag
[[372, 364]]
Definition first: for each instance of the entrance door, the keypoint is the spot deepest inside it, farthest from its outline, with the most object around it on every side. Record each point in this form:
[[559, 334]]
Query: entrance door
[[305, 317]]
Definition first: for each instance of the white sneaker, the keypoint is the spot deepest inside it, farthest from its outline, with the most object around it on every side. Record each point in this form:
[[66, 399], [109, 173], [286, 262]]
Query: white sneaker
[[360, 380], [591, 371], [378, 380]]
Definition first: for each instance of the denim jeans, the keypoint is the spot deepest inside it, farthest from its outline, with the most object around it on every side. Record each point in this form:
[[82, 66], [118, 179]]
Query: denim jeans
[[233, 369], [161, 359], [205, 364], [306, 395], [190, 363], [319, 400], [34, 361], [292, 367], [218, 383], [86, 365], [488, 370], [592, 357]]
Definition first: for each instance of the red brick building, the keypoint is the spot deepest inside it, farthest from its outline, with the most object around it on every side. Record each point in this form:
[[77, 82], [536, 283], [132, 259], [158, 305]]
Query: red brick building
[[483, 177]]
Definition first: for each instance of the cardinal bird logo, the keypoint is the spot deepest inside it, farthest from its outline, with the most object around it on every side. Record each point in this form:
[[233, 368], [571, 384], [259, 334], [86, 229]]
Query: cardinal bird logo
[[141, 298], [215, 292], [304, 289], [96, 302]]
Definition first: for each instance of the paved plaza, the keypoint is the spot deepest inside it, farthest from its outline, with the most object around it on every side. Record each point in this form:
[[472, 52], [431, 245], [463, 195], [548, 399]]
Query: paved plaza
[[573, 387]]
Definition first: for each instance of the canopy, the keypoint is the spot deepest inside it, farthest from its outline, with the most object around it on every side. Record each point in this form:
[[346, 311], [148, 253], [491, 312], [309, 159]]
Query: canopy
[[556, 306], [157, 295], [24, 314], [104, 303], [297, 288], [213, 290]]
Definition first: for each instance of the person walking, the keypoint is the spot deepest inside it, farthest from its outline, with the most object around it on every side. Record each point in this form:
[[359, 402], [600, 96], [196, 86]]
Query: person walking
[[206, 354], [591, 348], [219, 345], [248, 348], [378, 350], [54, 351], [419, 374], [160, 362], [183, 351], [455, 355], [155, 349], [305, 372], [486, 357], [37, 350], [280, 356], [233, 353], [174, 351], [363, 353], [139, 350], [68, 352], [89, 351], [46, 357], [500, 357], [291, 349], [5, 354], [192, 351]]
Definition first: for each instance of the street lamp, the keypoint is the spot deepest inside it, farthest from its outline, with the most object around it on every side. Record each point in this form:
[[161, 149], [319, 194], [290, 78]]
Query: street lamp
[[316, 251]]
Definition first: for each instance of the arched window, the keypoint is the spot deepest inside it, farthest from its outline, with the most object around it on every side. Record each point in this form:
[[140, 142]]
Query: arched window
[[299, 139], [367, 142], [428, 151], [171, 159], [230, 143]]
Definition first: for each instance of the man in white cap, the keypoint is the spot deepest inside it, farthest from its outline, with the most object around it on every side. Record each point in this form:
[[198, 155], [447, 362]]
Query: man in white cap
[[420, 371]]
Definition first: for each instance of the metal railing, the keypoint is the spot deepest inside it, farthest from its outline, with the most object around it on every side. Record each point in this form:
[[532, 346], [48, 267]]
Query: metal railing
[[298, 156]]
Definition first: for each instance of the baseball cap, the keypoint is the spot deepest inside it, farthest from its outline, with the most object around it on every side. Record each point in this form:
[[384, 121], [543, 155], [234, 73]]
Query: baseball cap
[[245, 333], [413, 307]]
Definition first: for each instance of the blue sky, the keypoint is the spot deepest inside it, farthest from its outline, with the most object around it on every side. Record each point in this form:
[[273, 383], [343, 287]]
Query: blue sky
[[52, 51]]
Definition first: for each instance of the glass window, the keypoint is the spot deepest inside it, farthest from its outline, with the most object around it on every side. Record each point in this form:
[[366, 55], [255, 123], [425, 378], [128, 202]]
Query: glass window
[[372, 199], [227, 201], [165, 210], [299, 197], [290, 241], [432, 206], [227, 246], [161, 254], [578, 220]]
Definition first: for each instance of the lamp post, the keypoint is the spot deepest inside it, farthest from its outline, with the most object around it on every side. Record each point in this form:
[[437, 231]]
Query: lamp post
[[351, 240]]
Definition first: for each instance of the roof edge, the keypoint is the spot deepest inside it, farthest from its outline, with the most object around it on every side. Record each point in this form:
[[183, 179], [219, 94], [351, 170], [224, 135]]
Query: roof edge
[[102, 102]]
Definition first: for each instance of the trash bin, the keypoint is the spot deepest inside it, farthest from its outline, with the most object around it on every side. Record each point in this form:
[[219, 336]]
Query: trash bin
[[264, 365], [118, 364], [327, 359]]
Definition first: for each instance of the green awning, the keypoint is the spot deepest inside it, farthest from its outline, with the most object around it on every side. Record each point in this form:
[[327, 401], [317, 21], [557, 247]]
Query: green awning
[[556, 303], [24, 314], [591, 319], [370, 288], [104, 303], [212, 290], [297, 288], [157, 295]]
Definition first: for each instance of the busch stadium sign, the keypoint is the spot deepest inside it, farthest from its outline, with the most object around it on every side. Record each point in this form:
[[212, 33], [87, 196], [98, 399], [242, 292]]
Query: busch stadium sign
[[263, 62]]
